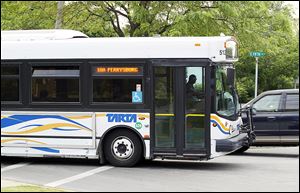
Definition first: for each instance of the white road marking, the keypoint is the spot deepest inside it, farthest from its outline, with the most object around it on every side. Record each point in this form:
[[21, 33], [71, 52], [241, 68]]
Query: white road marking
[[12, 167], [79, 176]]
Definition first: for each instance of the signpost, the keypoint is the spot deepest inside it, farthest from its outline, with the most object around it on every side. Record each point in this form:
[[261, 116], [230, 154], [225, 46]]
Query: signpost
[[256, 55]]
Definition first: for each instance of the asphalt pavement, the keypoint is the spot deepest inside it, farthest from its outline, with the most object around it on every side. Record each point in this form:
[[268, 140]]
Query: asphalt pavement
[[271, 169]]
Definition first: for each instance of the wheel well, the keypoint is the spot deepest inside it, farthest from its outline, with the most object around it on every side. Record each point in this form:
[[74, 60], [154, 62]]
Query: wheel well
[[114, 129]]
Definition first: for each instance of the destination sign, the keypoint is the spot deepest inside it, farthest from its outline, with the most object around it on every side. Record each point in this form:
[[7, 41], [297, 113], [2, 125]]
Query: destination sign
[[107, 70]]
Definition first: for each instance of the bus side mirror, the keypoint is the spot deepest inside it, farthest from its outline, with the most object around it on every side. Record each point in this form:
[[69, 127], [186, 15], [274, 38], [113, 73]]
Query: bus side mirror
[[254, 111], [230, 76]]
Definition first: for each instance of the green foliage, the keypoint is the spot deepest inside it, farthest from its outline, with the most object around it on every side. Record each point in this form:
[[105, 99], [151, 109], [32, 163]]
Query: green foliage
[[27, 15], [258, 26]]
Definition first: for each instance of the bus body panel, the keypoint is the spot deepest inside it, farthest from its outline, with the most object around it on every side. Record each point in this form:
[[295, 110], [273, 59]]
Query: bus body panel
[[65, 134], [140, 122], [45, 129], [222, 128]]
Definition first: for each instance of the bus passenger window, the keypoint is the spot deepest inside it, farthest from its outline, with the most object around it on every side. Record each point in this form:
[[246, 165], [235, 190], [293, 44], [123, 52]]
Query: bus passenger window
[[114, 90], [117, 83], [55, 84], [10, 83]]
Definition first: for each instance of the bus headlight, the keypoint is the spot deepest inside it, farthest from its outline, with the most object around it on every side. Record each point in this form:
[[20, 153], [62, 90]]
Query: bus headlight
[[231, 49]]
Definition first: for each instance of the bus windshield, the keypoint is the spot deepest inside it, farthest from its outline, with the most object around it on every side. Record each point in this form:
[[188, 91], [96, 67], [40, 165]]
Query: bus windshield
[[226, 97]]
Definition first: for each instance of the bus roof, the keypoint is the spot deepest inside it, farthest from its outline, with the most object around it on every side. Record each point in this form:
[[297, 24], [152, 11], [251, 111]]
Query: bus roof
[[110, 48], [23, 35]]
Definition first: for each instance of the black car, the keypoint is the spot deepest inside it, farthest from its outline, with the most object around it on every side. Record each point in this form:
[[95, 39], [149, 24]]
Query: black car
[[275, 118]]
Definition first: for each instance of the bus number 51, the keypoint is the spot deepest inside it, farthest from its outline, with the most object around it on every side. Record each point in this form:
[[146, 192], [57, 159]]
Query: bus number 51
[[222, 52]]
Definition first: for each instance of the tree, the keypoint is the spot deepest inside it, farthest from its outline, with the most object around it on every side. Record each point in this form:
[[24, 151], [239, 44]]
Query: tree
[[16, 15], [137, 18], [265, 26]]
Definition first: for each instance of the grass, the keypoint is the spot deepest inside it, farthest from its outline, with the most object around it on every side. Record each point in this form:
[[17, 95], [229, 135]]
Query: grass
[[29, 189]]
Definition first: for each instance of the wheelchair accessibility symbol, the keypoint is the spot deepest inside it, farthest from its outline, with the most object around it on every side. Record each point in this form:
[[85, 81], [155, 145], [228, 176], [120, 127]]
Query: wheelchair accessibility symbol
[[137, 97]]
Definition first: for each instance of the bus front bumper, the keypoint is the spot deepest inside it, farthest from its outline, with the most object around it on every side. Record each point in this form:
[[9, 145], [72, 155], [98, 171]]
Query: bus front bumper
[[232, 144]]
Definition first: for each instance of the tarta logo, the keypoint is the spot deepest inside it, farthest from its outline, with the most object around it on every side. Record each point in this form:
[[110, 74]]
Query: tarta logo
[[126, 118]]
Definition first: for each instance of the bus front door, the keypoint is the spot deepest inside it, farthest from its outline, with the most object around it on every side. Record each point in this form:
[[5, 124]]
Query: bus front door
[[179, 107]]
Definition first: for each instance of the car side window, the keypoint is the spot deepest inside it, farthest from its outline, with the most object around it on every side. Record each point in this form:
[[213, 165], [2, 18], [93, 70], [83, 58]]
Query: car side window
[[292, 102], [269, 103]]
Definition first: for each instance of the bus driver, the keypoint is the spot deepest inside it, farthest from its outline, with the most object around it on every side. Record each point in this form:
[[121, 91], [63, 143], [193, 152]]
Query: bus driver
[[192, 94]]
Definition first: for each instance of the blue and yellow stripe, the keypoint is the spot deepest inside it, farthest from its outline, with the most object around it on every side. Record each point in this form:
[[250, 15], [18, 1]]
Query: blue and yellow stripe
[[216, 120], [17, 119]]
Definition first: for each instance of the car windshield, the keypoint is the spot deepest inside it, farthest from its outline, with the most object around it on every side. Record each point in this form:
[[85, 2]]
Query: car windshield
[[226, 98]]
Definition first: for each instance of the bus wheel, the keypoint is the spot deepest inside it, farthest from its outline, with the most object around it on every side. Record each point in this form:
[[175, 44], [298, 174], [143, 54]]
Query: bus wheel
[[122, 148]]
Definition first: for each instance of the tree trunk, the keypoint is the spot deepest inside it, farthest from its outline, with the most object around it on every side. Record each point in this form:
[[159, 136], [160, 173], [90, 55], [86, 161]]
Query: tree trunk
[[59, 17]]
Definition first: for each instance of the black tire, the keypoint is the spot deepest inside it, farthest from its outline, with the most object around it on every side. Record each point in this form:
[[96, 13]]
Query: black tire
[[242, 150], [116, 159]]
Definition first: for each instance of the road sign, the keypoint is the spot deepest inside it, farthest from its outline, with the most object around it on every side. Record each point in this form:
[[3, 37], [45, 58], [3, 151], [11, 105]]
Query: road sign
[[257, 54]]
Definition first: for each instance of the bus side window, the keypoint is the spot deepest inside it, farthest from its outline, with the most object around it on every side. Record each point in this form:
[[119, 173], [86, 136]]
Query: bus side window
[[114, 90], [117, 84], [55, 84], [10, 83]]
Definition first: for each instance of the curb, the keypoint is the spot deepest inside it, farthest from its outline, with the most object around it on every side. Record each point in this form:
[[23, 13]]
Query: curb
[[10, 183]]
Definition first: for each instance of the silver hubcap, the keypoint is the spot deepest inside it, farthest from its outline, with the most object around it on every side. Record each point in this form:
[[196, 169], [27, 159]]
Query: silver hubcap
[[122, 148]]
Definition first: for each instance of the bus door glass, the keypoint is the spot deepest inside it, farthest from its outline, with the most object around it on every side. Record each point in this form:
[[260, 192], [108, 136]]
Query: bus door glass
[[194, 108], [179, 107], [164, 107]]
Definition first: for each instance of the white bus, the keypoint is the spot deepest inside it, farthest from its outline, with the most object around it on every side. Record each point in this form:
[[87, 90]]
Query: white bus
[[118, 99]]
